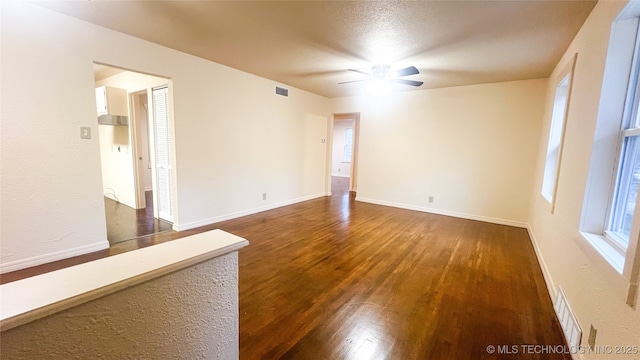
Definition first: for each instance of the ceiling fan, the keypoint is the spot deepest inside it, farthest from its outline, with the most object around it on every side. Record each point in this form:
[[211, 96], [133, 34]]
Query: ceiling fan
[[382, 78]]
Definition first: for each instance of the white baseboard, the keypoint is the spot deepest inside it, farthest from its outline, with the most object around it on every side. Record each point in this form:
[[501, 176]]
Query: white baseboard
[[551, 287], [205, 222], [54, 256], [445, 212], [121, 202], [340, 175]]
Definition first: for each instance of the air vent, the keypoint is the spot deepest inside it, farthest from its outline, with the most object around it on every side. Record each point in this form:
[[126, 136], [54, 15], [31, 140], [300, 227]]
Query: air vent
[[568, 321], [282, 91]]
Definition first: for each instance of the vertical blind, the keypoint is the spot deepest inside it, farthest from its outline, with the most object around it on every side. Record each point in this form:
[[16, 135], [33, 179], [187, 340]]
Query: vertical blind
[[163, 152]]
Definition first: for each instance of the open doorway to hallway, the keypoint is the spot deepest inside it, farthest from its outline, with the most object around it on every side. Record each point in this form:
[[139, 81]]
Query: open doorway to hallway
[[344, 153], [132, 110]]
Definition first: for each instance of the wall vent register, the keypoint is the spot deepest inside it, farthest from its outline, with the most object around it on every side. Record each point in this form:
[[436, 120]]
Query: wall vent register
[[568, 322], [282, 91]]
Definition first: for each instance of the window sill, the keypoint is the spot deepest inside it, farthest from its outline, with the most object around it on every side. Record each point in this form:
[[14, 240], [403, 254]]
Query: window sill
[[611, 254]]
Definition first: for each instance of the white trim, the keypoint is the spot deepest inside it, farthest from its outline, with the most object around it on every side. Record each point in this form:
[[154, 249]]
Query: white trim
[[608, 252], [121, 202], [209, 221], [635, 131], [551, 287], [341, 175], [445, 212], [616, 241], [51, 257]]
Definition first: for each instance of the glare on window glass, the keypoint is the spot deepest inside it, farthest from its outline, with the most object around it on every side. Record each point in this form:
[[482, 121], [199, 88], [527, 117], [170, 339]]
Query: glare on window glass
[[627, 191]]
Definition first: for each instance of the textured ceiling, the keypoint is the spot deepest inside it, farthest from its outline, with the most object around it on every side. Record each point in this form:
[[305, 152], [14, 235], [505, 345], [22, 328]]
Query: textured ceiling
[[311, 44]]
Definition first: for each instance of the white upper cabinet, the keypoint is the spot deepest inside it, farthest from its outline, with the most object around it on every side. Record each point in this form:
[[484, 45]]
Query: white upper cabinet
[[112, 101]]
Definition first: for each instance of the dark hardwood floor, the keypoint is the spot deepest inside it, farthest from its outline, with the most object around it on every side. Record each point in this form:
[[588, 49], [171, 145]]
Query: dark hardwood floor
[[126, 223], [333, 278]]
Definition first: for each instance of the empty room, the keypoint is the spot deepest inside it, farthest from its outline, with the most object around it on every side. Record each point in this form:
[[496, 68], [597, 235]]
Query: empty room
[[319, 179]]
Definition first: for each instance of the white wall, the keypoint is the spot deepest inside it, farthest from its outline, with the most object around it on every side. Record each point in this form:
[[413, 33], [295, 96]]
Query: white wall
[[117, 163], [234, 138], [473, 148], [338, 166], [51, 193], [595, 291]]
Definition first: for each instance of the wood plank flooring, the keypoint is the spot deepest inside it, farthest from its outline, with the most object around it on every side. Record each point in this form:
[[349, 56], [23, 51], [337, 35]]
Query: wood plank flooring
[[125, 223], [321, 280], [332, 278]]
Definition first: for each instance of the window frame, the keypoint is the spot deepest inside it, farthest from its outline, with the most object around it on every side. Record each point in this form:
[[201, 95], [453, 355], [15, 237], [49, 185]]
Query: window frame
[[567, 74], [619, 89], [629, 126], [622, 181]]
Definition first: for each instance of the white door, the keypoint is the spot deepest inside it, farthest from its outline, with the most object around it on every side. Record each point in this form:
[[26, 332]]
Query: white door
[[162, 153]]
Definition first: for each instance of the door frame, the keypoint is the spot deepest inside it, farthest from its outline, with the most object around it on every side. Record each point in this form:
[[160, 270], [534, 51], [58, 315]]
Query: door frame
[[136, 134], [353, 174]]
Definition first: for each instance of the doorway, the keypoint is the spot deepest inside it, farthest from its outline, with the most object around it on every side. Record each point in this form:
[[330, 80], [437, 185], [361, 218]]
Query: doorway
[[128, 149], [344, 154]]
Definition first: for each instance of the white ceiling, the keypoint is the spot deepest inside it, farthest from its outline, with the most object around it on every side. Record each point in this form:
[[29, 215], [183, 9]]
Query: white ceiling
[[311, 44], [101, 72]]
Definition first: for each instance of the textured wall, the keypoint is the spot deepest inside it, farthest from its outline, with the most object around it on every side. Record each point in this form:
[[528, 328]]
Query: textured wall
[[234, 138], [595, 291], [188, 314], [47, 171], [473, 148]]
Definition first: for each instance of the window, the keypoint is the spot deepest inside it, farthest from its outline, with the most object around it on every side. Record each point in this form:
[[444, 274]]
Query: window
[[556, 132], [348, 144], [628, 175], [608, 215]]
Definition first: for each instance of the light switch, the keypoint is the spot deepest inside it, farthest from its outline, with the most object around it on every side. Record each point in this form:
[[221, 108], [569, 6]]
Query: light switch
[[85, 132]]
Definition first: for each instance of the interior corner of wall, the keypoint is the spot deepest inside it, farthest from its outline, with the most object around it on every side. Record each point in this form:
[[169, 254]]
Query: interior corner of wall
[[551, 287]]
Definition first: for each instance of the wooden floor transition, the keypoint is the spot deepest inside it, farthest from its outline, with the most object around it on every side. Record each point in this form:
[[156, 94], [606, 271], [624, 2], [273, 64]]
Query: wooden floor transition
[[333, 278]]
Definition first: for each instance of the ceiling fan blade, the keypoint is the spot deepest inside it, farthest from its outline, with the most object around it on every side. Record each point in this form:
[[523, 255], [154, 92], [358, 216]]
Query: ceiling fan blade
[[407, 82], [353, 81], [360, 71], [411, 70]]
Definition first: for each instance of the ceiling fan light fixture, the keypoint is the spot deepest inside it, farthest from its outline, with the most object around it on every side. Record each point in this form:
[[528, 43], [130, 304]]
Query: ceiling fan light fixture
[[382, 80], [381, 71], [379, 87]]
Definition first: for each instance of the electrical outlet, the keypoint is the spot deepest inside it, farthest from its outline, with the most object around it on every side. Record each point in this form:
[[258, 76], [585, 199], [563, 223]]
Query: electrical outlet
[[592, 336], [430, 199], [264, 196]]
